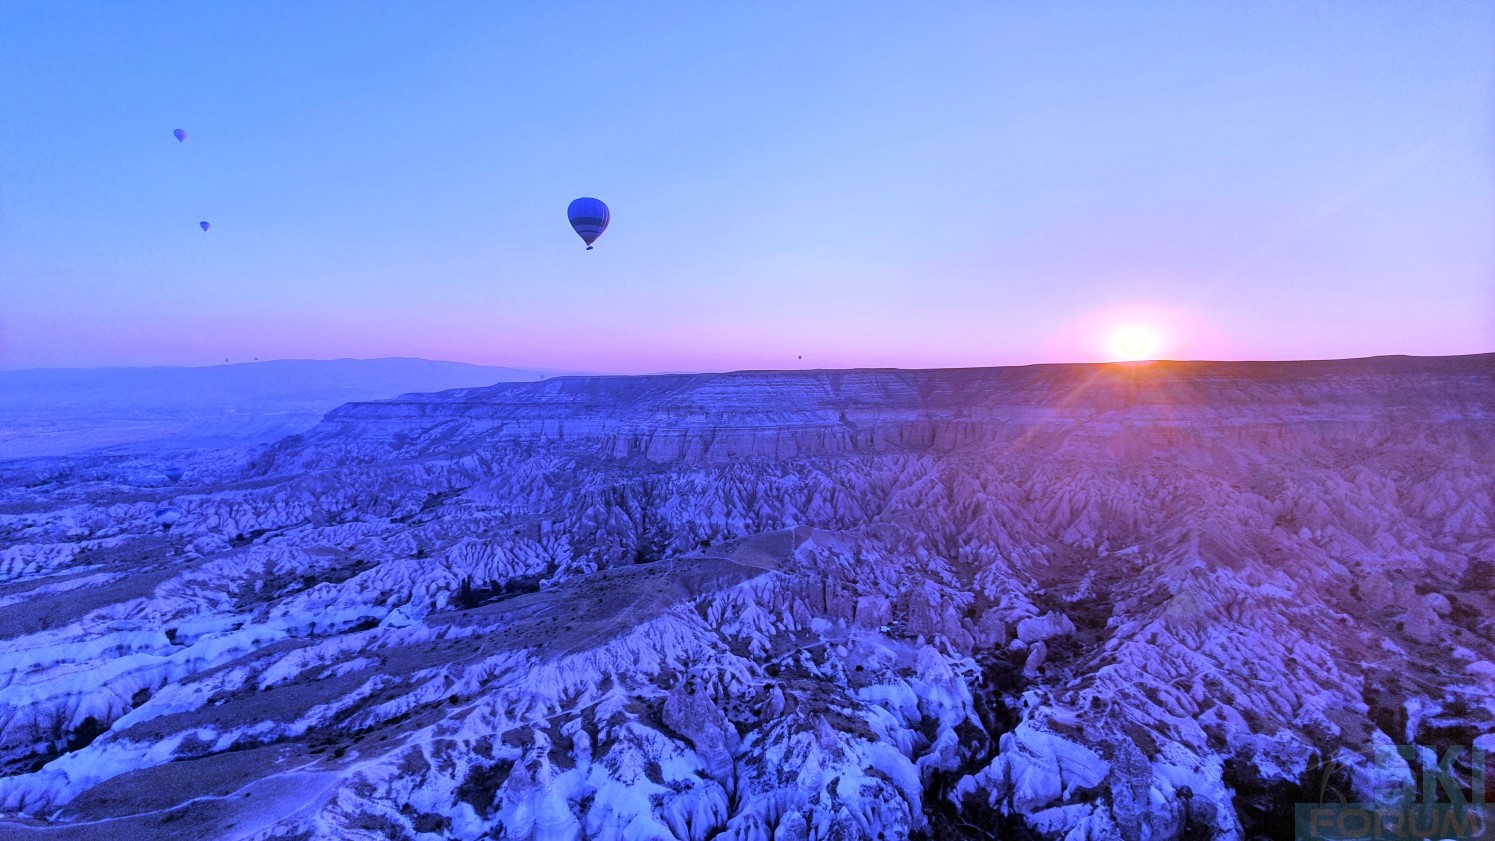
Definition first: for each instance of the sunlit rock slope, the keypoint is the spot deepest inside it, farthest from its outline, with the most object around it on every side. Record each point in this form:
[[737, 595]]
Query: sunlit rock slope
[[1145, 601]]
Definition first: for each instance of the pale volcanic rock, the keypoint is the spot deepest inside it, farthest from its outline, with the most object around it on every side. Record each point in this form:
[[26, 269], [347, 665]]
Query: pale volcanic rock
[[1107, 602], [1039, 628], [691, 713]]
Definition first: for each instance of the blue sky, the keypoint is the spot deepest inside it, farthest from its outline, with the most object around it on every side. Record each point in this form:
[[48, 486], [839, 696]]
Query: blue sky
[[856, 184]]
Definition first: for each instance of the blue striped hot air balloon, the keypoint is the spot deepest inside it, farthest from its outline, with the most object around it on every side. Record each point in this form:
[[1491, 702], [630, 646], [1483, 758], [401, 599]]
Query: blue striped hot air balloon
[[589, 217]]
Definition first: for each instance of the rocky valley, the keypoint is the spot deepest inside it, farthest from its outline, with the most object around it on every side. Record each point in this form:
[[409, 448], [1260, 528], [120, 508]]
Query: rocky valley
[[1135, 601]]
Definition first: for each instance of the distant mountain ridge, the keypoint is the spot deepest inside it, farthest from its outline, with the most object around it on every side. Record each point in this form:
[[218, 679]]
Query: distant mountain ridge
[[57, 411]]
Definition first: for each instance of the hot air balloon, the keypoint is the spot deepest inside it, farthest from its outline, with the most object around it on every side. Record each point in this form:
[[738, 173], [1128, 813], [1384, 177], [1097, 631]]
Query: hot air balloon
[[167, 515], [205, 225], [173, 474], [180, 135], [589, 217]]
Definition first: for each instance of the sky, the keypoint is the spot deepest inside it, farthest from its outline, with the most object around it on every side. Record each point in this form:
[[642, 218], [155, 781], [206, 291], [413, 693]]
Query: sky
[[815, 185]]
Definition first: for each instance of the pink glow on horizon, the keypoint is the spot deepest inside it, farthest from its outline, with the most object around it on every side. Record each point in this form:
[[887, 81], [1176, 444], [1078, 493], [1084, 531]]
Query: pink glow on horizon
[[1000, 185]]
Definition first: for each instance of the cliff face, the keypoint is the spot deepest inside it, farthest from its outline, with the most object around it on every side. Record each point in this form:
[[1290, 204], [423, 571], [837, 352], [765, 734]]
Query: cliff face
[[718, 417], [1110, 602]]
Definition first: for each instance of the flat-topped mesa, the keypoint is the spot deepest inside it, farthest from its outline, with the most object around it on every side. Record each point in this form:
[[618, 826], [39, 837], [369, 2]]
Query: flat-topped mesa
[[781, 414]]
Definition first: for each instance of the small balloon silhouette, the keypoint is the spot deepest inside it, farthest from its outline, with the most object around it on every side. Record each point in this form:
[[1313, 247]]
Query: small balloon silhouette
[[205, 225], [179, 135]]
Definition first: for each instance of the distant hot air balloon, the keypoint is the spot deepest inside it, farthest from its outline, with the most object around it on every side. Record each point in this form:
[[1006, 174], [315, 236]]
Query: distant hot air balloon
[[173, 474], [589, 217], [180, 135], [168, 515], [205, 225]]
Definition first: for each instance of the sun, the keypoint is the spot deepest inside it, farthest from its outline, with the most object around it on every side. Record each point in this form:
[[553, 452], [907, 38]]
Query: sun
[[1134, 343]]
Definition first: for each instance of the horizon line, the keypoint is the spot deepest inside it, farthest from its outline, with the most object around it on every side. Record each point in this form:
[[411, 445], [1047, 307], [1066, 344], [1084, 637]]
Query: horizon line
[[561, 372]]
